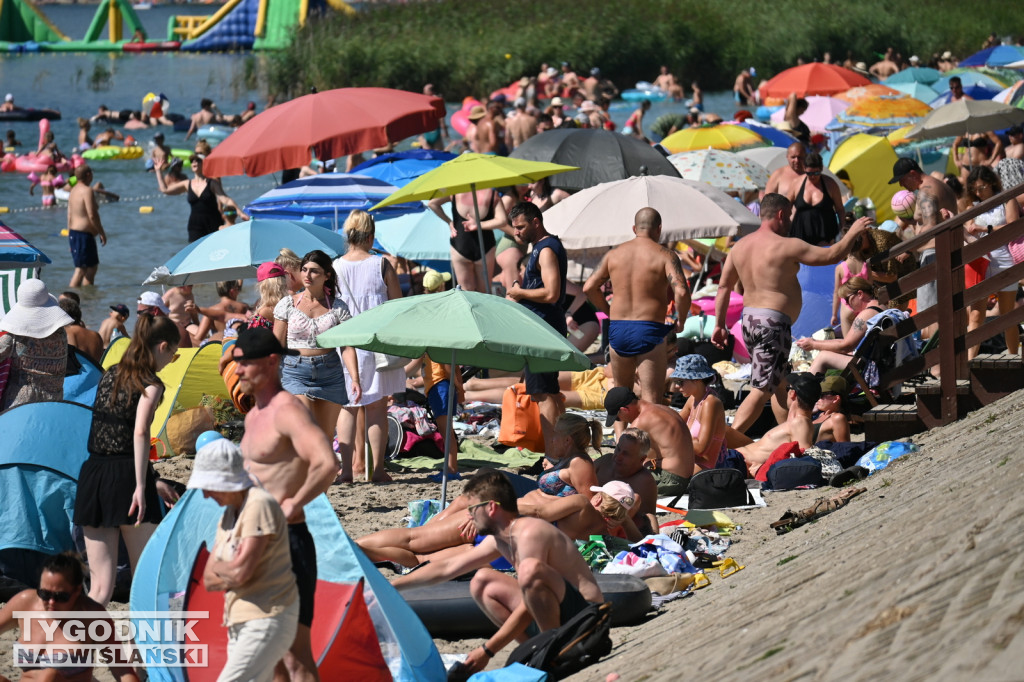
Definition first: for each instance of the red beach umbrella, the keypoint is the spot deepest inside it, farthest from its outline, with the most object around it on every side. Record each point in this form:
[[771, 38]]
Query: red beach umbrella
[[329, 124], [812, 79]]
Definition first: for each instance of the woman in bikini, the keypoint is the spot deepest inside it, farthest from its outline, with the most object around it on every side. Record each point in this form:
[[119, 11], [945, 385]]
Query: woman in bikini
[[837, 353], [465, 242], [48, 181], [829, 421], [569, 468], [704, 413], [315, 374]]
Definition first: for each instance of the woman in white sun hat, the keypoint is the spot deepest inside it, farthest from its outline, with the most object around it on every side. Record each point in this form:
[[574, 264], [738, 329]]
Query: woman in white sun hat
[[37, 345], [250, 562]]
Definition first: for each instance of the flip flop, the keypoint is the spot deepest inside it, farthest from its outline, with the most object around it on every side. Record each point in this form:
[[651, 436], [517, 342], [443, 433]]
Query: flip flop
[[436, 478]]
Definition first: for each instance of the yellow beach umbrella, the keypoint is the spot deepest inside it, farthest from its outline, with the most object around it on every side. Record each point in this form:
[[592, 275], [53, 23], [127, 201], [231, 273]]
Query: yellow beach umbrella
[[868, 162], [864, 91], [724, 136]]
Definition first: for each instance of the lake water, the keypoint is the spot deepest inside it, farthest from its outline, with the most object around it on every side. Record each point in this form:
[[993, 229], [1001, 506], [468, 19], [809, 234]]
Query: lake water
[[139, 242]]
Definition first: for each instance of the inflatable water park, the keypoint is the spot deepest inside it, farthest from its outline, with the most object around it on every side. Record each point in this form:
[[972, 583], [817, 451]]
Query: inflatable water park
[[115, 27]]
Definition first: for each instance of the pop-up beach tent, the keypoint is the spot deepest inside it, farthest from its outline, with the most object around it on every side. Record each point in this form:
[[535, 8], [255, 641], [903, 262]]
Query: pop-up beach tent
[[186, 380], [44, 446], [19, 261], [370, 634]]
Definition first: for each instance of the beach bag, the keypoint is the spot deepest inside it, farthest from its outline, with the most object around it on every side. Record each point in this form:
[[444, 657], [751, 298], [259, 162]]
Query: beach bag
[[520, 420], [183, 428], [403, 441], [718, 489], [565, 650], [788, 474]]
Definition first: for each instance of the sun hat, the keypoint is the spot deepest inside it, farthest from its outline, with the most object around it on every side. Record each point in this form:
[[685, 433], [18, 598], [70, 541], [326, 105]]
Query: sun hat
[[619, 490], [615, 400], [552, 71], [947, 55], [557, 102], [121, 309], [36, 314], [477, 113], [269, 270], [524, 81], [434, 280], [8, 97], [151, 299], [914, 59], [258, 343], [219, 467], [694, 367], [587, 105]]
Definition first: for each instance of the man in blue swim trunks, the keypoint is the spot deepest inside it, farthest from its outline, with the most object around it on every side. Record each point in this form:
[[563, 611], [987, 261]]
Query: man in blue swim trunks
[[766, 264], [642, 273], [84, 226]]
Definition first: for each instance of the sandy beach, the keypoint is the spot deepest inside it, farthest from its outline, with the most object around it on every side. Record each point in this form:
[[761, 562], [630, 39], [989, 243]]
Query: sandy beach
[[921, 577]]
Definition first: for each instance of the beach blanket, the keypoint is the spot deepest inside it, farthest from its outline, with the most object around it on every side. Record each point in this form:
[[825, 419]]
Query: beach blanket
[[472, 456]]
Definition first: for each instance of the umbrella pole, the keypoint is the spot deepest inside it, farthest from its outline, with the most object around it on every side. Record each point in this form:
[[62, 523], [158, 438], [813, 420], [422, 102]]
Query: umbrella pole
[[450, 422], [480, 236]]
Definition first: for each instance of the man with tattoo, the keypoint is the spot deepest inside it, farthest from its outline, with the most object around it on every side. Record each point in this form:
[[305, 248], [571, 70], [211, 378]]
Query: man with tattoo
[[644, 275], [932, 196], [764, 266]]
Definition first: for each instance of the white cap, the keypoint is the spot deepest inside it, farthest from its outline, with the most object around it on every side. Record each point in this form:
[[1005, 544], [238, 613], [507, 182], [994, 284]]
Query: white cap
[[219, 467], [8, 97], [151, 299]]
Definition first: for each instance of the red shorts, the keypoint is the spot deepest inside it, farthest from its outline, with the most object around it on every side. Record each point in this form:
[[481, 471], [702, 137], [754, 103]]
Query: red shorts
[[974, 272]]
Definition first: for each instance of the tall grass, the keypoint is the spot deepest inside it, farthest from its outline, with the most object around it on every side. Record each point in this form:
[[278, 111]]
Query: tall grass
[[471, 47]]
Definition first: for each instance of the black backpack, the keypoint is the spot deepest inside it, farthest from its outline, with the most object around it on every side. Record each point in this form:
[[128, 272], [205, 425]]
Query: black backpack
[[565, 650], [718, 489], [788, 474]]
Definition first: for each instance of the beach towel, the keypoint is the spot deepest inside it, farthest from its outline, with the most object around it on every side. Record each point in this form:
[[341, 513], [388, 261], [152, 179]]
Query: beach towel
[[472, 455]]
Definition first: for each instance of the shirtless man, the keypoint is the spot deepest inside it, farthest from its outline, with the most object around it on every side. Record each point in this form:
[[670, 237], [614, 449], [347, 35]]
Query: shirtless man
[[84, 226], [85, 340], [161, 153], [743, 89], [645, 276], [1015, 150], [206, 115], [114, 323], [520, 127], [483, 138], [932, 196], [884, 68], [216, 316], [804, 391], [552, 581], [666, 82], [671, 445], [956, 90], [289, 456], [787, 179], [570, 82], [182, 304], [60, 590], [765, 265], [8, 104]]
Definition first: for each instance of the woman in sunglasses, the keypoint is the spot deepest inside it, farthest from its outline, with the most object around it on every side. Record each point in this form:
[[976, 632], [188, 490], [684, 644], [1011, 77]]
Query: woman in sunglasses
[[817, 205], [117, 493], [837, 353]]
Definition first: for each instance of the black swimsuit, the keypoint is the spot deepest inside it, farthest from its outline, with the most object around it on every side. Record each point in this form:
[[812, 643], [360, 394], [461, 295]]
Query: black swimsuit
[[205, 217], [815, 223], [467, 243]]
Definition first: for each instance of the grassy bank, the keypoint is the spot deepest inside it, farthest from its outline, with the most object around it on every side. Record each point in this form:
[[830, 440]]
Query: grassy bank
[[474, 46]]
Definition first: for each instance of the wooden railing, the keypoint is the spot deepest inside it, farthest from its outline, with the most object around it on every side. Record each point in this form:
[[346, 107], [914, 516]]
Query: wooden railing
[[950, 312]]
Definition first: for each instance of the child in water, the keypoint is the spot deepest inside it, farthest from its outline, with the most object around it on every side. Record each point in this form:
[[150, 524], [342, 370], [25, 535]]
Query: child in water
[[49, 181]]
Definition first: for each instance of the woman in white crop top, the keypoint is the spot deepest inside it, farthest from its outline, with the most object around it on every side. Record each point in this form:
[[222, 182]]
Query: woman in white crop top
[[315, 375]]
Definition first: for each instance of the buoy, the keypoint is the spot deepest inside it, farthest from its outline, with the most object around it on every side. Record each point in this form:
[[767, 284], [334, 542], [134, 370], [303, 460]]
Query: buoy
[[4, 209], [145, 209], [64, 232]]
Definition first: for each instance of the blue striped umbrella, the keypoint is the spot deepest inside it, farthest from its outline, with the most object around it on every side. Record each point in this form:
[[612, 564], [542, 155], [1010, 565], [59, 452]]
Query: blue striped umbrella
[[978, 92], [324, 196], [1000, 55], [14, 249]]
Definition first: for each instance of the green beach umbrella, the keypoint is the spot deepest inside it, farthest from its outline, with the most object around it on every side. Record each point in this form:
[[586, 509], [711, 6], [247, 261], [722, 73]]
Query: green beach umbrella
[[469, 173], [459, 328]]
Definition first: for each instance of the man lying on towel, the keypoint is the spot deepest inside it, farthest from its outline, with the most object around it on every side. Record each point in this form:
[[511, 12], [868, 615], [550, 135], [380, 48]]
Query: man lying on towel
[[553, 581]]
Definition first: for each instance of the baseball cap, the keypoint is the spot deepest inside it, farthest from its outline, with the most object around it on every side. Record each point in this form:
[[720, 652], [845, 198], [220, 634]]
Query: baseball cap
[[269, 270], [833, 383], [259, 343], [1015, 130], [158, 136], [434, 280], [8, 97], [151, 299], [556, 102], [901, 168], [622, 492], [806, 385], [615, 400], [121, 309]]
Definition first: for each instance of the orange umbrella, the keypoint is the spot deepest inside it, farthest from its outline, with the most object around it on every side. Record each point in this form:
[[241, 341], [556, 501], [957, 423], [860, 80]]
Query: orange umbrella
[[329, 124], [883, 112], [869, 90], [724, 136], [812, 79]]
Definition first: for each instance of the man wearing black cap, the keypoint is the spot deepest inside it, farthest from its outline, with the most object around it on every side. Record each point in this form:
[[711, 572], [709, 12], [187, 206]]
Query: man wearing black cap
[[671, 445], [932, 197], [803, 392], [113, 327], [1015, 149], [291, 458]]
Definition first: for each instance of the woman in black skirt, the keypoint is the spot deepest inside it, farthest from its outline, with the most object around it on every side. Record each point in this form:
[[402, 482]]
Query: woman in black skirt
[[117, 494]]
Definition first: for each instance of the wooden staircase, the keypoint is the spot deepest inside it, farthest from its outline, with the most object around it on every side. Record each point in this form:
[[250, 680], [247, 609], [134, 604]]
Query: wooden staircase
[[991, 377]]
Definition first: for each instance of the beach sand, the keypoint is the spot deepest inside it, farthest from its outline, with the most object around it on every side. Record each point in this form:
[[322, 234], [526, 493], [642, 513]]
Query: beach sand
[[921, 577]]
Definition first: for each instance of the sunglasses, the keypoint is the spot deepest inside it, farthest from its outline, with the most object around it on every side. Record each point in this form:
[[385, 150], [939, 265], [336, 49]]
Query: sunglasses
[[980, 188], [471, 507], [829, 395], [814, 172], [59, 597]]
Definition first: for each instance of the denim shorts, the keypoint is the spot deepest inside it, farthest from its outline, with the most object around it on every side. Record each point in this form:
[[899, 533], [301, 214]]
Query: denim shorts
[[318, 377]]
